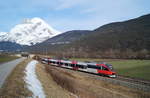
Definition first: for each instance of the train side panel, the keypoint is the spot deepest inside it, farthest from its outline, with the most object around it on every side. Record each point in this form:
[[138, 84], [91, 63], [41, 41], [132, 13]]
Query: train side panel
[[82, 66]]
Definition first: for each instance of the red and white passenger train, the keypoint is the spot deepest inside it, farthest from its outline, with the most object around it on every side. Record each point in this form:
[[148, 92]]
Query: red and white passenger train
[[97, 68]]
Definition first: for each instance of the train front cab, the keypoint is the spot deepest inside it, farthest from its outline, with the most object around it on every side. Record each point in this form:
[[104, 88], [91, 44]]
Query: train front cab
[[106, 70]]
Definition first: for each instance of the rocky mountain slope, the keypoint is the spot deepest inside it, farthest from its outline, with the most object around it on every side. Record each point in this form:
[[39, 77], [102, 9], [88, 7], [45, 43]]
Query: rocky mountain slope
[[59, 40], [67, 37]]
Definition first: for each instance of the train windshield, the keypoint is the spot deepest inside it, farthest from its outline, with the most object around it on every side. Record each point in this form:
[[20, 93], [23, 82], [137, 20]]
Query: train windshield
[[109, 66]]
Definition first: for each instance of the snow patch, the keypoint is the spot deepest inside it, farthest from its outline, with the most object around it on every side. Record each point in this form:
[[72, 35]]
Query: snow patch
[[33, 84], [29, 33]]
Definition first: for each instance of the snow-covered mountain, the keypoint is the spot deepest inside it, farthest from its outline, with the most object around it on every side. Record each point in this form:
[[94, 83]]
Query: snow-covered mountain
[[30, 32]]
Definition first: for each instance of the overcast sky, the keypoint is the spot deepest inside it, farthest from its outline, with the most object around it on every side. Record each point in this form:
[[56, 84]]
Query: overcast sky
[[65, 15]]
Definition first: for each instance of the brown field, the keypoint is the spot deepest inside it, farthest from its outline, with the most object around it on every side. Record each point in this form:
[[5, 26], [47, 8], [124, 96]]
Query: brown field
[[14, 86], [51, 88]]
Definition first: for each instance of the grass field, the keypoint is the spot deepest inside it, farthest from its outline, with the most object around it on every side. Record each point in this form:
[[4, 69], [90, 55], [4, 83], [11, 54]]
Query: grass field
[[132, 68], [5, 58]]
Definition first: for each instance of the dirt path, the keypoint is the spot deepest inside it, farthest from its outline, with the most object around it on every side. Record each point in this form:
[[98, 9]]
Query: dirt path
[[51, 88]]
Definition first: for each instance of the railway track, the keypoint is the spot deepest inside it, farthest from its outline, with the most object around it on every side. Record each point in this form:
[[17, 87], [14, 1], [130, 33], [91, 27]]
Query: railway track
[[134, 83], [129, 82], [135, 80]]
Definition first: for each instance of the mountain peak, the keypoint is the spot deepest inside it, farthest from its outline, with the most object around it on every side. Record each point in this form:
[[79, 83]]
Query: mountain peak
[[37, 19], [30, 32]]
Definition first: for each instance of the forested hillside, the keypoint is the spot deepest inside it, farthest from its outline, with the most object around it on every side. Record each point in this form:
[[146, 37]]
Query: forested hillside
[[128, 39]]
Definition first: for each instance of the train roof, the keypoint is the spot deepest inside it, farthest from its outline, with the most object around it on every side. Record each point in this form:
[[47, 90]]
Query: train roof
[[65, 61], [44, 59], [95, 63], [82, 63], [53, 60], [92, 63]]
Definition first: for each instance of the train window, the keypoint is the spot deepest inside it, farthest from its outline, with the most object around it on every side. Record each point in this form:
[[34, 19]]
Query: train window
[[109, 66], [57, 62], [81, 66], [61, 63], [85, 67], [104, 68], [94, 67], [66, 64], [99, 67], [50, 61], [72, 65], [78, 65], [90, 66]]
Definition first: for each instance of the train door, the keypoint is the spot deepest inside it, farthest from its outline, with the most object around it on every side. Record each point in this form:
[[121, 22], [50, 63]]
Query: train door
[[59, 63], [73, 65]]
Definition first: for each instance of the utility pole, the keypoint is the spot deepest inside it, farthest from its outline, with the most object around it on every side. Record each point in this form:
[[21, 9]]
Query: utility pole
[[45, 51]]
